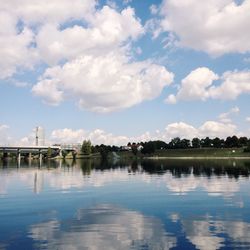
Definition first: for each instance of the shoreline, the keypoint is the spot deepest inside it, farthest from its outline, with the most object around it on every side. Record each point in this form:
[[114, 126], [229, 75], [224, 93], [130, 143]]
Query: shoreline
[[197, 157]]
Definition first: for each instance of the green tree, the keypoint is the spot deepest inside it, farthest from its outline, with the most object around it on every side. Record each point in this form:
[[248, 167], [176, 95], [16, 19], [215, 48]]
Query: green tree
[[217, 142], [196, 143], [148, 148], [104, 151], [134, 148], [86, 147], [206, 143]]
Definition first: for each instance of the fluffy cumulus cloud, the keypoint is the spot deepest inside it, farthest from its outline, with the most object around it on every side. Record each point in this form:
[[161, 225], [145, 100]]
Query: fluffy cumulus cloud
[[89, 51], [216, 27], [103, 83], [107, 30], [195, 85], [17, 36], [96, 136], [200, 84], [56, 11], [179, 129], [99, 74], [15, 47], [209, 128]]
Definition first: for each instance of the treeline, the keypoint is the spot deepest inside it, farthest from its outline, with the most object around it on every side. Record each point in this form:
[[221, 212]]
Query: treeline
[[176, 143]]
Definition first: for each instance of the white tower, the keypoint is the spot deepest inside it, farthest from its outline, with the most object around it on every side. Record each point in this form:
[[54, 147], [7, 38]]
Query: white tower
[[40, 136]]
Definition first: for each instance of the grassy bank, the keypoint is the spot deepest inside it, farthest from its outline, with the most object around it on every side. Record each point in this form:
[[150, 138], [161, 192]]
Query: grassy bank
[[194, 153]]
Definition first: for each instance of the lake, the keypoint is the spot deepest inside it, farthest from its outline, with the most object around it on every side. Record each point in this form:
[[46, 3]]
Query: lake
[[168, 204]]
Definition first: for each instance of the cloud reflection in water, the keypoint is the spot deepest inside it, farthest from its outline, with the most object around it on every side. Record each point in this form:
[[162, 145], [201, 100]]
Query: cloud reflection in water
[[103, 227]]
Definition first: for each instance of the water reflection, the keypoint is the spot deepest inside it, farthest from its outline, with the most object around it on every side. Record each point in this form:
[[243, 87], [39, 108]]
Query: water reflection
[[125, 205], [178, 177], [209, 234], [103, 227]]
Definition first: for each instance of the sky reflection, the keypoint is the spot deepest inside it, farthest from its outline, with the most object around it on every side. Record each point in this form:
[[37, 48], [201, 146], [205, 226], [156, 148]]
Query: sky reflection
[[136, 205], [103, 227]]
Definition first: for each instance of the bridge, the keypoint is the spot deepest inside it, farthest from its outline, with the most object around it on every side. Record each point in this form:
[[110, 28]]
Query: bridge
[[29, 149]]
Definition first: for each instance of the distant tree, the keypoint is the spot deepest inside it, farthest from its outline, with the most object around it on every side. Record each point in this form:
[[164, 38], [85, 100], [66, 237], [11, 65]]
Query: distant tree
[[86, 147], [232, 142], [134, 148], [206, 143], [196, 143], [160, 145], [235, 141], [175, 143], [185, 143], [148, 148], [243, 141], [217, 142], [104, 151], [247, 149]]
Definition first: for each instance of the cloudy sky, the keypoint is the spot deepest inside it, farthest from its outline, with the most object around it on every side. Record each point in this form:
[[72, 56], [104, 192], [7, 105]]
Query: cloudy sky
[[115, 71]]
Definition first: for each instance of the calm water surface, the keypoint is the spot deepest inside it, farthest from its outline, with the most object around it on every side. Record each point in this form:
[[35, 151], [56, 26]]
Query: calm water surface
[[125, 205]]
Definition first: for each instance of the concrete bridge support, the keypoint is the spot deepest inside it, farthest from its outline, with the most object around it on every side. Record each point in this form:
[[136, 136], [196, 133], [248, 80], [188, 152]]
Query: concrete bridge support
[[40, 158], [18, 158]]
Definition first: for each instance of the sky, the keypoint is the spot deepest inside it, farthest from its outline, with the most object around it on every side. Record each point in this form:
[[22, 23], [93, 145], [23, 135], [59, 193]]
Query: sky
[[115, 71]]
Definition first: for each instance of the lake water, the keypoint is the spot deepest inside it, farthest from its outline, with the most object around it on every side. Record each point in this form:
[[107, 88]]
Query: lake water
[[125, 205]]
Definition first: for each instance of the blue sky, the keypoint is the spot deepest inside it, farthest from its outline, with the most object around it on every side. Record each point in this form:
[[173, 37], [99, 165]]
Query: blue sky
[[117, 71]]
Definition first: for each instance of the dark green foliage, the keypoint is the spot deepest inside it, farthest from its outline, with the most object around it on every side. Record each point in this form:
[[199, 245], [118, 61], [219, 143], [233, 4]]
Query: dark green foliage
[[232, 142], [134, 148], [104, 151], [148, 148], [196, 143], [218, 143], [247, 149], [206, 143], [86, 147]]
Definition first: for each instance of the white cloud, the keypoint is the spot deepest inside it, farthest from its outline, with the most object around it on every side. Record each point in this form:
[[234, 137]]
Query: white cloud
[[225, 117], [217, 129], [194, 86], [234, 83], [103, 83], [216, 27], [209, 128], [154, 9], [127, 1], [248, 119], [199, 85], [15, 50], [96, 136], [107, 31], [18, 20], [3, 127], [181, 129], [56, 11]]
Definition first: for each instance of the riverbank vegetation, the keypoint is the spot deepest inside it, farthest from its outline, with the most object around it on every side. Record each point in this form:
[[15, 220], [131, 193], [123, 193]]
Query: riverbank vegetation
[[177, 147]]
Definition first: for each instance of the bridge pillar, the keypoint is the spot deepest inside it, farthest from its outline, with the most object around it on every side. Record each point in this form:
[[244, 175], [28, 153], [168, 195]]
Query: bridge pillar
[[40, 157], [60, 153], [18, 157]]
